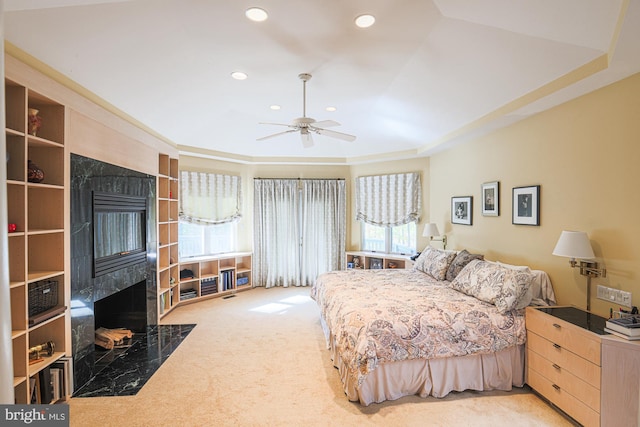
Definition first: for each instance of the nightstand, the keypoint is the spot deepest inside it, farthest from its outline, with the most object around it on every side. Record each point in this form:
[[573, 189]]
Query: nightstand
[[564, 359]]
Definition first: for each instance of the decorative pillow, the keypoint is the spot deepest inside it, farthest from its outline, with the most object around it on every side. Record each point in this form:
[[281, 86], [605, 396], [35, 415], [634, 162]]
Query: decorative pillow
[[506, 288], [463, 258], [541, 289], [434, 262]]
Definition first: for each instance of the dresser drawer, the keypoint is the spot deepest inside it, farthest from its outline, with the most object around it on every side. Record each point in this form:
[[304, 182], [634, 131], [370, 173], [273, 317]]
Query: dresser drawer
[[573, 338], [563, 399], [567, 360], [565, 379]]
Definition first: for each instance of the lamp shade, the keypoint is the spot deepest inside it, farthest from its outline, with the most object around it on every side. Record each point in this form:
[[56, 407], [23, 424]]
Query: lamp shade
[[574, 244], [430, 230]]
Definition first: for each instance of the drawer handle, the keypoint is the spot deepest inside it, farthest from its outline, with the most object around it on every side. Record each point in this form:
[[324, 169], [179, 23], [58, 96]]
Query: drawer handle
[[555, 325], [556, 366], [558, 346], [557, 387]]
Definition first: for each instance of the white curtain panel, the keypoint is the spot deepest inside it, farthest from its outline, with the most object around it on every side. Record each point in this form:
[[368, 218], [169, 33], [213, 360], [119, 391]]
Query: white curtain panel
[[276, 258], [208, 199], [389, 200], [323, 228], [299, 230]]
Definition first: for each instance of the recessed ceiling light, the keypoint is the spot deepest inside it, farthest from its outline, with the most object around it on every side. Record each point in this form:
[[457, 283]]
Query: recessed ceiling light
[[275, 107], [331, 108], [256, 14], [239, 75], [365, 21]]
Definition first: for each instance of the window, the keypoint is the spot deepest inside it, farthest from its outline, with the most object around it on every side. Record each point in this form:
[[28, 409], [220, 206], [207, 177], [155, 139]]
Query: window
[[210, 206], [400, 239], [200, 240], [389, 209]]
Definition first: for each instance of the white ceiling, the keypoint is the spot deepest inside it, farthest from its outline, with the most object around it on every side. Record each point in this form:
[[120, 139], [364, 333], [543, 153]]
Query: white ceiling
[[427, 75]]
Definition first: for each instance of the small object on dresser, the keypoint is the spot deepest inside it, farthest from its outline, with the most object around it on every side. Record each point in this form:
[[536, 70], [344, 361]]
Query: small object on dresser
[[349, 265], [392, 264], [34, 173], [12, 228], [356, 262], [625, 327]]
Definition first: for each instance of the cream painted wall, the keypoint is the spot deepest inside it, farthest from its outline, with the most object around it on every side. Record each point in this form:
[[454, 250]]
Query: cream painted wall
[[585, 155]]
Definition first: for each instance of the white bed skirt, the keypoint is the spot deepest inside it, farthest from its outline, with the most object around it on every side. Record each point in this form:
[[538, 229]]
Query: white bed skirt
[[436, 377]]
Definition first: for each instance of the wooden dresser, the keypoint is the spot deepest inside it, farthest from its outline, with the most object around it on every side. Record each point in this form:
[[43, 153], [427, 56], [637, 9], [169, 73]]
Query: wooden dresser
[[564, 359]]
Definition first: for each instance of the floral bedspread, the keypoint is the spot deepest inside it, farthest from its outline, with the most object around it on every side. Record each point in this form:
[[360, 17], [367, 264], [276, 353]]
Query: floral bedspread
[[379, 316]]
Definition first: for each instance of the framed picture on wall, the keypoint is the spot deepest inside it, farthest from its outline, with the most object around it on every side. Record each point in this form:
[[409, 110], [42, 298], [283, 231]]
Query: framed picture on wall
[[491, 198], [462, 210], [526, 205]]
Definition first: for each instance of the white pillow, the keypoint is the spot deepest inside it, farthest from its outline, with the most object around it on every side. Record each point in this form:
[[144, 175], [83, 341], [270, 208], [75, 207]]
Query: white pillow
[[434, 262], [540, 291], [506, 288]]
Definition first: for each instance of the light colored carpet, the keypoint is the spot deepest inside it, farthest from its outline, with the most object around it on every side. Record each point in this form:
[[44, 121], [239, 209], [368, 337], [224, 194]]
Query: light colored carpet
[[259, 359]]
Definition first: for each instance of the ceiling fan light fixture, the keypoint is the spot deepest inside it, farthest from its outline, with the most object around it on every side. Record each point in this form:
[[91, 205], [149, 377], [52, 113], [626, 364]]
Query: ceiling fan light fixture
[[239, 75], [256, 14], [331, 109], [274, 107], [365, 21]]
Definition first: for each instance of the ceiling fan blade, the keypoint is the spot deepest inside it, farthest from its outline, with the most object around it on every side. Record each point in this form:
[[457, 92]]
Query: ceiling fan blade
[[334, 134], [326, 124], [276, 134], [307, 140], [277, 124]]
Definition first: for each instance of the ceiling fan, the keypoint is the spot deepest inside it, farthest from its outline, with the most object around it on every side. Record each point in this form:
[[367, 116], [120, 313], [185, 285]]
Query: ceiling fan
[[305, 125]]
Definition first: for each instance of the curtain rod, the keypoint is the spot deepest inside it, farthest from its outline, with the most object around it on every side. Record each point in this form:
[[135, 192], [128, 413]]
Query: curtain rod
[[307, 179]]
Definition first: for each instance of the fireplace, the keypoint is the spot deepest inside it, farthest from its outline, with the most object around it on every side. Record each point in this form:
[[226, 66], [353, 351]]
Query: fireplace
[[131, 287], [126, 309]]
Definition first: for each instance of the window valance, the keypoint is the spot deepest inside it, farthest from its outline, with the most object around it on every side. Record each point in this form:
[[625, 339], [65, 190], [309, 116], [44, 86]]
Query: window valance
[[389, 200], [207, 198]]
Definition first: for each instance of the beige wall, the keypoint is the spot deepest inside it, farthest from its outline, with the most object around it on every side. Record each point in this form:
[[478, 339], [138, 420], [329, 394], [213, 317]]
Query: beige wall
[[585, 155]]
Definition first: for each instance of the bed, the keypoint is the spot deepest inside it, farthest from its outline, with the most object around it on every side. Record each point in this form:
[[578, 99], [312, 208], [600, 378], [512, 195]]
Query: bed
[[454, 322]]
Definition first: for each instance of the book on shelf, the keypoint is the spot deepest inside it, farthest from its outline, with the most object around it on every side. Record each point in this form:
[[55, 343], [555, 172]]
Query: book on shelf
[[621, 335], [629, 326]]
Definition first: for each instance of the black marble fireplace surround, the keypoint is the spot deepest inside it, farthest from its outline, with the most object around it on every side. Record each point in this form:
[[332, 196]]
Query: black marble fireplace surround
[[87, 176]]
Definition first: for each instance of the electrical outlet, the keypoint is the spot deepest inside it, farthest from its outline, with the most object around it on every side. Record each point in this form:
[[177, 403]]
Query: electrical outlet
[[615, 296], [624, 298], [602, 292]]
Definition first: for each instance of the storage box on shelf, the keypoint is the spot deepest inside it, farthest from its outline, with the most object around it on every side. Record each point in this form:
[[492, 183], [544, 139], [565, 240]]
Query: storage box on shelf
[[213, 276], [377, 260], [168, 273], [35, 131]]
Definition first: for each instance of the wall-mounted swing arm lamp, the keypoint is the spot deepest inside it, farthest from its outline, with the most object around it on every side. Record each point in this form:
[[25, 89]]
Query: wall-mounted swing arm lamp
[[573, 245], [431, 231]]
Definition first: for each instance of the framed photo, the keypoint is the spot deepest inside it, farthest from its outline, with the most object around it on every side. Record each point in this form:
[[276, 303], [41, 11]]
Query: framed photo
[[526, 205], [462, 210], [491, 198]]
